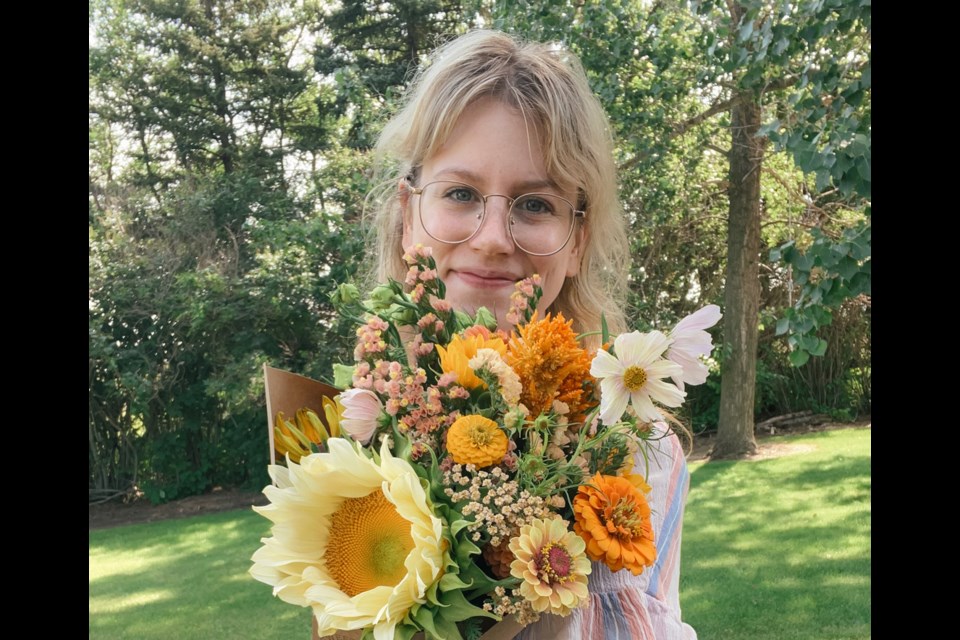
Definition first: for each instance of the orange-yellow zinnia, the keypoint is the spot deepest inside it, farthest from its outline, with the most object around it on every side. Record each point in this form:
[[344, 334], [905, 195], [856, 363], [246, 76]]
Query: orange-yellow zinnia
[[455, 358], [613, 517], [476, 440]]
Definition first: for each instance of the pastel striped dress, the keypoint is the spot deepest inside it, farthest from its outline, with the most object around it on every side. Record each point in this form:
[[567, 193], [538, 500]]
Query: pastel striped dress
[[645, 607]]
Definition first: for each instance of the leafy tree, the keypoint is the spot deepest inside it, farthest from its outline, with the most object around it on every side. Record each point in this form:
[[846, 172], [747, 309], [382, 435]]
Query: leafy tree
[[809, 60], [697, 94], [370, 49], [196, 217]]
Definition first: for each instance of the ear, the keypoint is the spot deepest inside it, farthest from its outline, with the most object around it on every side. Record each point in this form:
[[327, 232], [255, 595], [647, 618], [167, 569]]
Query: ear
[[580, 237], [403, 196]]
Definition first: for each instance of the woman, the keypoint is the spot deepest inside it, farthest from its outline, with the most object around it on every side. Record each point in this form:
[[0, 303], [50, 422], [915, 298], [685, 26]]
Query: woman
[[511, 133]]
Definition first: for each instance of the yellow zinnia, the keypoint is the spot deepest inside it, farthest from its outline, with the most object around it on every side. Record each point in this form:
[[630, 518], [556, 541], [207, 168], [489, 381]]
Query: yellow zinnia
[[476, 440], [455, 358], [355, 540]]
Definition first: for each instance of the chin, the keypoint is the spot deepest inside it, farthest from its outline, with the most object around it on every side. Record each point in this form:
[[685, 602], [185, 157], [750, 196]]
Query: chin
[[470, 302]]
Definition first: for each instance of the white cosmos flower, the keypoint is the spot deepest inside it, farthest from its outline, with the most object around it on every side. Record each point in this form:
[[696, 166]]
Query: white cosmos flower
[[690, 341], [635, 376]]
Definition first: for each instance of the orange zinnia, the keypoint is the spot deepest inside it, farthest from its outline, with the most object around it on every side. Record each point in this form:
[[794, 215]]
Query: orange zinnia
[[613, 517], [551, 366]]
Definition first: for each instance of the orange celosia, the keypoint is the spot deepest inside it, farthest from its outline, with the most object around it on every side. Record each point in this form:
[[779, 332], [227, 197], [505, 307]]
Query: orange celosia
[[552, 366], [613, 517], [476, 440], [456, 356]]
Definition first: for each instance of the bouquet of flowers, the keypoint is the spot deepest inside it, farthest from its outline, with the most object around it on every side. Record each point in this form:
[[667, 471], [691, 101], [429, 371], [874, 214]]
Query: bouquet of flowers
[[464, 473]]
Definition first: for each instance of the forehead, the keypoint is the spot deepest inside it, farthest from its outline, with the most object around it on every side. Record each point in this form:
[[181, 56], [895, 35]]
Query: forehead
[[491, 146]]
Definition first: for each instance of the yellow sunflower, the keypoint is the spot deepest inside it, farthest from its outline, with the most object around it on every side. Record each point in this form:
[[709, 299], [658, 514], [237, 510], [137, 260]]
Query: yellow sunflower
[[552, 366], [613, 517], [551, 563], [455, 357], [476, 440], [354, 540]]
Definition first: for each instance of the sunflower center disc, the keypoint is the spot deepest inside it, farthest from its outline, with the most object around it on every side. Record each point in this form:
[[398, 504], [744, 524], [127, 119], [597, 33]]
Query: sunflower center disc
[[369, 542]]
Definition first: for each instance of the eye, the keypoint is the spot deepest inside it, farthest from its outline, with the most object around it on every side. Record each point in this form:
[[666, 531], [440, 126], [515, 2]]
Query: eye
[[533, 205], [461, 194]]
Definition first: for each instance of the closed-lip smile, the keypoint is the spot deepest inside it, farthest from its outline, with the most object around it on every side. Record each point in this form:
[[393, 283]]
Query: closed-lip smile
[[483, 278]]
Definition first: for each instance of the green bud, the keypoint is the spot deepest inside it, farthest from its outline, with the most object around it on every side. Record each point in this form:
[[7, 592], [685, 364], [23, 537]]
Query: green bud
[[541, 423], [343, 375], [347, 294], [402, 315], [381, 297], [487, 319], [532, 466], [463, 319]]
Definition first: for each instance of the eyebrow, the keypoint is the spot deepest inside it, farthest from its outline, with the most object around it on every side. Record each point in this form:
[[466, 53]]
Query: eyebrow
[[469, 177]]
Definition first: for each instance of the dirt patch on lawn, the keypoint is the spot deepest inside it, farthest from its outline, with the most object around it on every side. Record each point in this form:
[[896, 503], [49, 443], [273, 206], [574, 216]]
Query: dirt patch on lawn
[[703, 444], [116, 513]]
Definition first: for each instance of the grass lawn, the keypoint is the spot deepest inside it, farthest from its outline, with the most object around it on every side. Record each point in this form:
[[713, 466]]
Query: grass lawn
[[776, 548], [186, 579], [779, 549]]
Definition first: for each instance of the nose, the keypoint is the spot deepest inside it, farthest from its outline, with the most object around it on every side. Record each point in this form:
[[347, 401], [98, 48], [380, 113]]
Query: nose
[[493, 236]]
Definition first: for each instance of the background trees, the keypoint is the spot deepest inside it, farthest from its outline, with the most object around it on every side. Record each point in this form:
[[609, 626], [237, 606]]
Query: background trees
[[229, 160]]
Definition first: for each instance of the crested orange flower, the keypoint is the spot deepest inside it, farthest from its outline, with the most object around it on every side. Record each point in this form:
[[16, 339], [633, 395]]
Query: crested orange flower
[[455, 358], [613, 517], [476, 440], [552, 366]]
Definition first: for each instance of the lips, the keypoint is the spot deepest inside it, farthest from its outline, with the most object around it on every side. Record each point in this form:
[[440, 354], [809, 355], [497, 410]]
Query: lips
[[486, 279]]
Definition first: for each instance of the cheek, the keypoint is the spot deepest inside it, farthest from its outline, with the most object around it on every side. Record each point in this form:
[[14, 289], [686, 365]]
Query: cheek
[[554, 273]]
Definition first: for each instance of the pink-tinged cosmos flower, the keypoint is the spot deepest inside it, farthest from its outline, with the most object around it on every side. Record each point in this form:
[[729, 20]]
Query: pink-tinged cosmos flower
[[361, 408], [635, 376], [690, 341]]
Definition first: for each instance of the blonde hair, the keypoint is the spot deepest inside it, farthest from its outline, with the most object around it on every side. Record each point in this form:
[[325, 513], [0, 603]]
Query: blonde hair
[[548, 86]]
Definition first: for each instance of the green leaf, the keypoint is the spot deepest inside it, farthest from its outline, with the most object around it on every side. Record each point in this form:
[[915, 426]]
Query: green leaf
[[773, 125], [783, 324], [809, 343], [819, 349], [823, 179], [452, 581], [848, 267], [799, 358], [456, 607]]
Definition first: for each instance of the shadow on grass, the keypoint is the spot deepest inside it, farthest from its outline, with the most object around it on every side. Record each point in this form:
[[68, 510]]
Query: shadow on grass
[[780, 548], [186, 579]]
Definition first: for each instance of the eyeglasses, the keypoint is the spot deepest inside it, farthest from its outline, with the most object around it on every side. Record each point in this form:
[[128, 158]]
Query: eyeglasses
[[541, 224]]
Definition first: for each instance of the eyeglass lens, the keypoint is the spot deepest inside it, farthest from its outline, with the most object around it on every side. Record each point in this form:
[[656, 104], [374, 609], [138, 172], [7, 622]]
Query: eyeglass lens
[[540, 223]]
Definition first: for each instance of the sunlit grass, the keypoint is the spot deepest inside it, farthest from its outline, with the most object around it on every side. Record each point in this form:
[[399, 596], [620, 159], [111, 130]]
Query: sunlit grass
[[772, 549], [780, 548], [186, 579]]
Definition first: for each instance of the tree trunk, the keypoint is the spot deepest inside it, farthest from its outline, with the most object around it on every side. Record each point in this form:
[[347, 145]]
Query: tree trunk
[[735, 432]]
